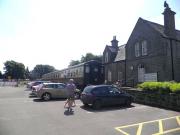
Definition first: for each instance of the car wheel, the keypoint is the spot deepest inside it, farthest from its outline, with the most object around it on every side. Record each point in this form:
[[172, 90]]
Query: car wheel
[[128, 102], [97, 104], [46, 96], [76, 95]]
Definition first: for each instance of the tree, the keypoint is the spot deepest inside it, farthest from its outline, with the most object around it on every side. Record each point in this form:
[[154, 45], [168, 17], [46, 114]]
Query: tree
[[1, 75], [40, 70], [90, 56], [27, 73], [87, 57], [74, 62], [14, 70]]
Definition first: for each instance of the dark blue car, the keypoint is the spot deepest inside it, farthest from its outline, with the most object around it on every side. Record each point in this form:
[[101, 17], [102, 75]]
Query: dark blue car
[[105, 95]]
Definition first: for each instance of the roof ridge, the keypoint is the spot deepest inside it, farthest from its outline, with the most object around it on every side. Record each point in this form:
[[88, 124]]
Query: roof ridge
[[156, 23]]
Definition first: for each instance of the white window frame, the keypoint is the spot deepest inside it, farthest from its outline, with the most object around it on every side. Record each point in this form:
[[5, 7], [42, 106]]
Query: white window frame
[[144, 47], [106, 57], [137, 50], [109, 76]]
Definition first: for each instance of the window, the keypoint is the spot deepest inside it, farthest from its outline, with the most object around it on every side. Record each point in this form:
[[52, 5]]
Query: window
[[109, 76], [137, 53], [95, 69], [144, 47], [102, 70], [100, 91], [61, 86], [87, 69], [106, 57]]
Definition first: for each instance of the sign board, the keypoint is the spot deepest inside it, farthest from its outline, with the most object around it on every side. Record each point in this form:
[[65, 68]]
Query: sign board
[[150, 77]]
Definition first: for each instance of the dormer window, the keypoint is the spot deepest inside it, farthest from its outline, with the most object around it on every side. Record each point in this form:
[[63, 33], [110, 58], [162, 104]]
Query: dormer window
[[144, 47], [137, 50]]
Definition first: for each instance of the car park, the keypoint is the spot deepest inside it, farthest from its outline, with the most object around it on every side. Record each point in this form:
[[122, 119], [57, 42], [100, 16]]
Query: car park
[[105, 95]]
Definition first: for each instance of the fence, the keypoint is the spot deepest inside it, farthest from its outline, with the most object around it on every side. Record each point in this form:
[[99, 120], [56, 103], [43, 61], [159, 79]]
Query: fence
[[7, 83]]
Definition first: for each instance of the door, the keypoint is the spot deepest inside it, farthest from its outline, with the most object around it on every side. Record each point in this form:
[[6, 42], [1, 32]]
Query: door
[[61, 91], [141, 72], [117, 96]]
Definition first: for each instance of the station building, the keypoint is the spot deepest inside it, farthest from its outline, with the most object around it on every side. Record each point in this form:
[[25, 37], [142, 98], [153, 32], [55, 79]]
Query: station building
[[152, 53]]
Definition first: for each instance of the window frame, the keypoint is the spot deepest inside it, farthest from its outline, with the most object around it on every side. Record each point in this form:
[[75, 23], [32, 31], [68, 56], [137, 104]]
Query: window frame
[[137, 49], [144, 48]]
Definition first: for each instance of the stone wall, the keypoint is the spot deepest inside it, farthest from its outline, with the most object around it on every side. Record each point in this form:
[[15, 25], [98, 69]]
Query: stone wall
[[168, 101]]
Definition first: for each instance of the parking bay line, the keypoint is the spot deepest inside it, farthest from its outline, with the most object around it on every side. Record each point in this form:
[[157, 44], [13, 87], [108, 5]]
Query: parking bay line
[[141, 124], [178, 120]]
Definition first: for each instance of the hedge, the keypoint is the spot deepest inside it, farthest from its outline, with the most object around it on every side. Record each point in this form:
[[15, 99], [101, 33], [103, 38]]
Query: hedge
[[160, 87]]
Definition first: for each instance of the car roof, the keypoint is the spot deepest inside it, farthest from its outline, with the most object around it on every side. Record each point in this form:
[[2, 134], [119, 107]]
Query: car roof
[[97, 86], [52, 83]]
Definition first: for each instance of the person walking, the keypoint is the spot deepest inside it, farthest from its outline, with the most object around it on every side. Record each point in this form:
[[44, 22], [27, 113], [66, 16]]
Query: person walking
[[71, 87]]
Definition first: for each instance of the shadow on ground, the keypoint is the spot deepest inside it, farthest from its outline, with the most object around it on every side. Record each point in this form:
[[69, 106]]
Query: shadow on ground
[[106, 108], [68, 112], [52, 100]]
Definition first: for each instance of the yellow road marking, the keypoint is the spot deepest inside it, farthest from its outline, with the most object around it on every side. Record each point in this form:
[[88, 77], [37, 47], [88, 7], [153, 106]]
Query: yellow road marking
[[160, 126], [122, 131], [146, 122], [178, 120], [168, 131], [139, 129], [141, 125]]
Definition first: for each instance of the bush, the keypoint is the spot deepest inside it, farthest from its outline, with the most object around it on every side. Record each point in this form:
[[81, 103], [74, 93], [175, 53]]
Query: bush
[[160, 87], [175, 88]]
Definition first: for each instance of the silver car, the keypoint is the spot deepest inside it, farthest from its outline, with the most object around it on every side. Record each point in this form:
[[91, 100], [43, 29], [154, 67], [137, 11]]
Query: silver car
[[52, 90]]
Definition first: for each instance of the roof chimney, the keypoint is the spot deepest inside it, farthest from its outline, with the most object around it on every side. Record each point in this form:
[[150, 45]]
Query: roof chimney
[[169, 21], [114, 42]]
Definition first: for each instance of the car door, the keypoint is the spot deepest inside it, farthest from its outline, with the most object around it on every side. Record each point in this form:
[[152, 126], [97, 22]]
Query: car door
[[101, 94], [61, 91], [49, 88], [117, 95]]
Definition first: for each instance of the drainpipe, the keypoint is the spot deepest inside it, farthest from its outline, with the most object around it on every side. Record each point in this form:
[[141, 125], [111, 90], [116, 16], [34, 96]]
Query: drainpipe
[[172, 58], [125, 72]]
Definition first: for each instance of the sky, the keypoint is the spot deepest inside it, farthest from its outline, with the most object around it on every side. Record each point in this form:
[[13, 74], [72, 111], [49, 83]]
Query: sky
[[54, 32]]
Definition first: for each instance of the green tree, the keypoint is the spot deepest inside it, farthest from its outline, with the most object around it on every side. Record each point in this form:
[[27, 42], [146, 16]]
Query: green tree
[[27, 73], [40, 70], [14, 70], [87, 57], [74, 62], [90, 56], [1, 75]]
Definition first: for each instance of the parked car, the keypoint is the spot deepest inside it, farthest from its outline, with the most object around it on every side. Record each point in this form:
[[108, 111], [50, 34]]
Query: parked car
[[53, 90], [105, 95], [34, 83], [35, 89]]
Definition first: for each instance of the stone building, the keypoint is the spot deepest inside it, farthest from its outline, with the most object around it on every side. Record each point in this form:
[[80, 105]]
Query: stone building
[[114, 62], [152, 53]]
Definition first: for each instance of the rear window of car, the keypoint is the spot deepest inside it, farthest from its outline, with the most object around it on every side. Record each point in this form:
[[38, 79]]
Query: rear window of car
[[100, 91], [88, 89]]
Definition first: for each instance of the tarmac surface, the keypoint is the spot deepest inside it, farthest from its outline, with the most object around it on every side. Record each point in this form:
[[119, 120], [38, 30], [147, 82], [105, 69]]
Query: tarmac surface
[[24, 115]]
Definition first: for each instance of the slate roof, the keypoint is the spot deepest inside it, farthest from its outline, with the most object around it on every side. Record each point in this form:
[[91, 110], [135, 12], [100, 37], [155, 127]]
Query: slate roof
[[160, 28], [111, 48], [121, 53]]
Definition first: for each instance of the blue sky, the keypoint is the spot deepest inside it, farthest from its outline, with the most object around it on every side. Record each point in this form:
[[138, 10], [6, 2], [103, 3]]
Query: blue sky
[[55, 32]]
